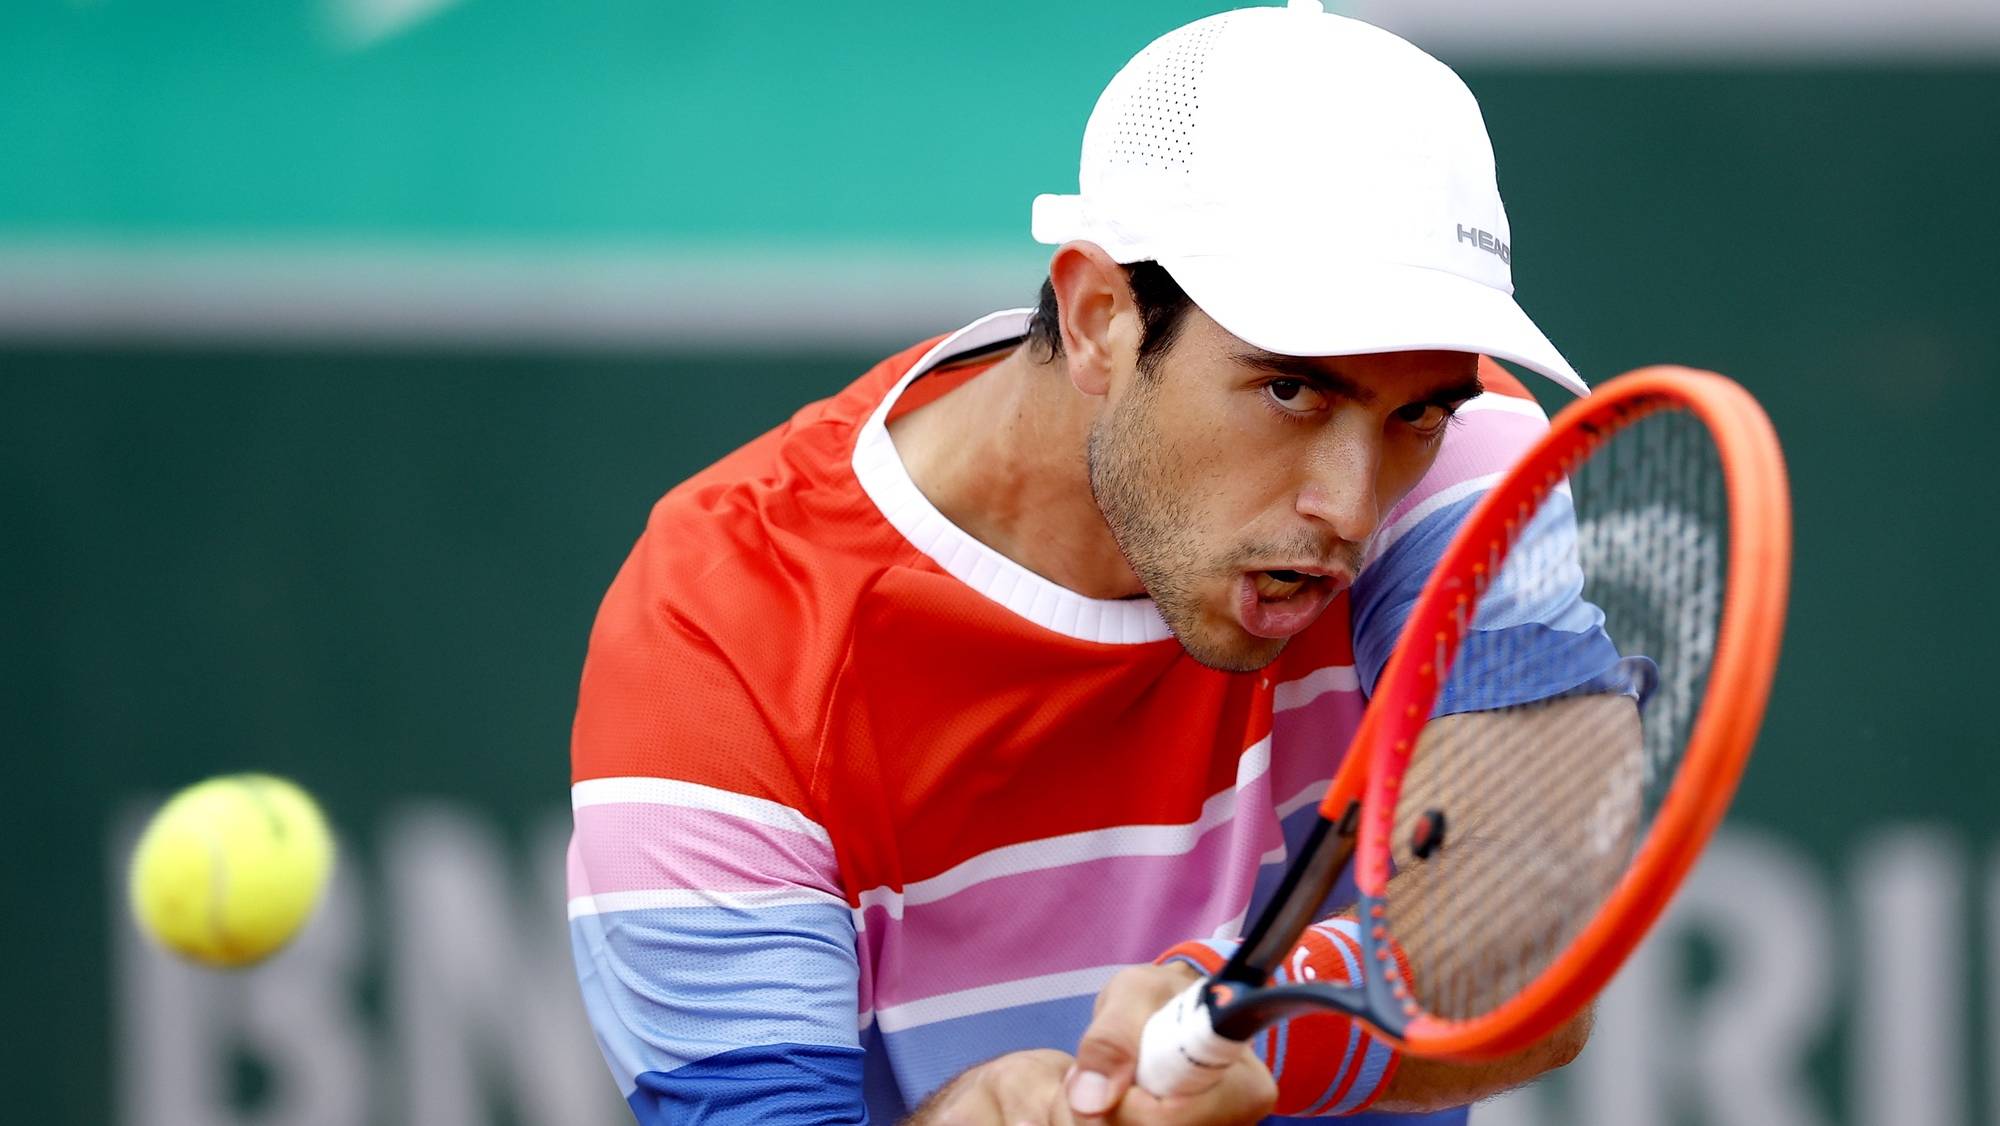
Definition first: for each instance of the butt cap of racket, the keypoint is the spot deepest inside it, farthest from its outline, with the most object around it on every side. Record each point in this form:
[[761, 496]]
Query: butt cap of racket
[[1180, 1053]]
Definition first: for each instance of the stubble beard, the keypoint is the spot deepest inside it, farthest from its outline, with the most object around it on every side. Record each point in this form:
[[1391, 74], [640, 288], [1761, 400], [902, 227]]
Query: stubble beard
[[1130, 465]]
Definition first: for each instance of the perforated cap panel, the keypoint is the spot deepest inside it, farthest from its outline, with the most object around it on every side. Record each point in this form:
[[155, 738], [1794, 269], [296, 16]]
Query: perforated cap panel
[[1154, 106], [1285, 162]]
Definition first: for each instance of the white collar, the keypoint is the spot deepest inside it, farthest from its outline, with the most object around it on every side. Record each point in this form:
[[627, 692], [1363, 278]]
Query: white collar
[[880, 469]]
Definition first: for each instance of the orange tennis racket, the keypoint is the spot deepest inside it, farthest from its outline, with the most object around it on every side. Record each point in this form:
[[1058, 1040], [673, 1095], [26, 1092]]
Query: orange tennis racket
[[1510, 854]]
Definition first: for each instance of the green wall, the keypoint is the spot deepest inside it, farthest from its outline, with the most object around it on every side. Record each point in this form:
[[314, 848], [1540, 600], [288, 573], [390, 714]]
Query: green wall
[[689, 121], [374, 571]]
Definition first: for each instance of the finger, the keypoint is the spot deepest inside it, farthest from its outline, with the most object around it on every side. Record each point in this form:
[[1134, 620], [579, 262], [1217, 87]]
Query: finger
[[1108, 1054], [973, 1104], [1026, 1088], [1005, 1091], [1245, 1095]]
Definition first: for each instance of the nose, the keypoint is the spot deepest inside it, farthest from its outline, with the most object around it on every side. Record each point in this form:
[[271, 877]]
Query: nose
[[1342, 478]]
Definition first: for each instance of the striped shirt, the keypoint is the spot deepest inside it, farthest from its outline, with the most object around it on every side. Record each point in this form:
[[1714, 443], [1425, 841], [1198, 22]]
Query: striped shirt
[[861, 803]]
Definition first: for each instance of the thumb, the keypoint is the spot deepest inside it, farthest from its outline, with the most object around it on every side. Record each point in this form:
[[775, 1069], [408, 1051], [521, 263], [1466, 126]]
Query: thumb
[[1108, 1054], [1092, 1092]]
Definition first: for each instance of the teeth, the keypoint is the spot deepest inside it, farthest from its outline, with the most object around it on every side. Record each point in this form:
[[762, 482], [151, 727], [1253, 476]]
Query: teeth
[[1273, 588]]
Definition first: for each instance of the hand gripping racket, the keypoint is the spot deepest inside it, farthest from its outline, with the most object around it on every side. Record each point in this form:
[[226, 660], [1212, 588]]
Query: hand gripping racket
[[1509, 856]]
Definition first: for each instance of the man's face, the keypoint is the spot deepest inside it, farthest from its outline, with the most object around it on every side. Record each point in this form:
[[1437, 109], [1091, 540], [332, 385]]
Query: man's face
[[1243, 486]]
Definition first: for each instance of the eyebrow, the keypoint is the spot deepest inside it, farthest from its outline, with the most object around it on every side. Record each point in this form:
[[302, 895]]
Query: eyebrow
[[1306, 370]]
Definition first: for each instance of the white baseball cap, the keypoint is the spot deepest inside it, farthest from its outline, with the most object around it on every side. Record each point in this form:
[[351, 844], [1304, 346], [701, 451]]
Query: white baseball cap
[[1319, 186]]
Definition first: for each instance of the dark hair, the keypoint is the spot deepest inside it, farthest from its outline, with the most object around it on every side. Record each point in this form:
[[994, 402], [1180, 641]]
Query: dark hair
[[1163, 307]]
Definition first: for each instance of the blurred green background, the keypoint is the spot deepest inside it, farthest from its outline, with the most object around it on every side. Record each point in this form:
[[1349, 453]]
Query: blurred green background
[[344, 345]]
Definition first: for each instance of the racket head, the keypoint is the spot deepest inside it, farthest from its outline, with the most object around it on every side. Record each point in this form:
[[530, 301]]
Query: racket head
[[1436, 1014]]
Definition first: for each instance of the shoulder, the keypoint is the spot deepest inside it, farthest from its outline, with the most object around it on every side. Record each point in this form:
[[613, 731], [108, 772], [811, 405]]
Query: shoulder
[[1485, 438], [715, 644]]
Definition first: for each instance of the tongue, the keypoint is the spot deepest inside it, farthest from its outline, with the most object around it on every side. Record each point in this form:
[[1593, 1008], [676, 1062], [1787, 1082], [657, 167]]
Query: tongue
[[1278, 616]]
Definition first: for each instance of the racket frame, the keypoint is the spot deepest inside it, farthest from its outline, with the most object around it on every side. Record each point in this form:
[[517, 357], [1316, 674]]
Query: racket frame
[[1732, 708]]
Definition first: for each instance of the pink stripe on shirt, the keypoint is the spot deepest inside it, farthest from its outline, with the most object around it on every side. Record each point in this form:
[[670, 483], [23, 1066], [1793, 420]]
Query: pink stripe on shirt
[[645, 846], [1187, 895], [1309, 742]]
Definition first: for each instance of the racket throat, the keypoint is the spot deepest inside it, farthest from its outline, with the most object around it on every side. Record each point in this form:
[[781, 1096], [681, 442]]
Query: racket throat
[[1239, 999], [1297, 902]]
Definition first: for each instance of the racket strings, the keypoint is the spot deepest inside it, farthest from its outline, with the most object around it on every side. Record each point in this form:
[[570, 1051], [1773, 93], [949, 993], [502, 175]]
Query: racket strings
[[1574, 691]]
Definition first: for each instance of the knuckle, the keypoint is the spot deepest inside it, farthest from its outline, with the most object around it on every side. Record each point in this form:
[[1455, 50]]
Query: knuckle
[[1138, 988], [966, 1107], [1005, 1071], [1013, 1080], [1105, 1051], [1123, 984], [1106, 1039], [1111, 1044], [994, 1079], [1041, 1065]]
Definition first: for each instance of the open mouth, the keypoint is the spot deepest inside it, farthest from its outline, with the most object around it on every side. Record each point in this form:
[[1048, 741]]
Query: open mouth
[[1279, 602], [1276, 586]]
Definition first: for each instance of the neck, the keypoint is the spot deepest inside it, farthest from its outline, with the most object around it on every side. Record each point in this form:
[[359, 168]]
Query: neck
[[1003, 457]]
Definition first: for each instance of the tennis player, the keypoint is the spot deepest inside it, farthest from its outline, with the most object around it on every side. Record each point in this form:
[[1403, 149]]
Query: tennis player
[[929, 742]]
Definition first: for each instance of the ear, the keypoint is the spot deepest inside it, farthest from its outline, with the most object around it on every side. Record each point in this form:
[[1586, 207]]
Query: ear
[[1099, 321]]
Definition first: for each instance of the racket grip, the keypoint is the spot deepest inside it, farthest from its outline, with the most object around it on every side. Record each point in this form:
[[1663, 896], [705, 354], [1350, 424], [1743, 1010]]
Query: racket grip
[[1180, 1053]]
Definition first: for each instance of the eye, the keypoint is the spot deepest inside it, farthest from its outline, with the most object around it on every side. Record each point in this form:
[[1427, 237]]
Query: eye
[[1294, 396], [1425, 418]]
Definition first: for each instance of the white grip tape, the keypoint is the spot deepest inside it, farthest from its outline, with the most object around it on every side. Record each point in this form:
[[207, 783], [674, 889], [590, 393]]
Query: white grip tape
[[1180, 1053]]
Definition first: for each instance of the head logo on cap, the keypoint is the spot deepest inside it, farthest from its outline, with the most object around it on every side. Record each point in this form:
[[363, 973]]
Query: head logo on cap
[[1487, 241]]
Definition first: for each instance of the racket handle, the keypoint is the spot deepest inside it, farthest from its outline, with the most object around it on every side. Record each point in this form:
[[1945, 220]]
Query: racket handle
[[1180, 1053]]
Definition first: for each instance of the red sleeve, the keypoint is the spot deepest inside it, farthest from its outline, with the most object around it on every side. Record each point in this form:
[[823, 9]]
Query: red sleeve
[[660, 698]]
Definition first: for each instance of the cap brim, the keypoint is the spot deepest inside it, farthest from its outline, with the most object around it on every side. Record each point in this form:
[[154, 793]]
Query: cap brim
[[1297, 307]]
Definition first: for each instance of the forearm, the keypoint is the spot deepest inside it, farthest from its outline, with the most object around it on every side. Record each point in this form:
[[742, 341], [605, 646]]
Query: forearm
[[1423, 1085]]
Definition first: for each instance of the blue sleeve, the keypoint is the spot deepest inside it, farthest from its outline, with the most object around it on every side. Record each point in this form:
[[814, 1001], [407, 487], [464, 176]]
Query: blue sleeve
[[726, 1014], [715, 954], [1535, 636], [773, 1084]]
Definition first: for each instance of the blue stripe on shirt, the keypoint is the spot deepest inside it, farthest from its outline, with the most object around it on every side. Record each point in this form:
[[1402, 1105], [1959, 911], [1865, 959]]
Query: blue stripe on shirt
[[668, 987], [929, 1056], [878, 1081], [769, 1085]]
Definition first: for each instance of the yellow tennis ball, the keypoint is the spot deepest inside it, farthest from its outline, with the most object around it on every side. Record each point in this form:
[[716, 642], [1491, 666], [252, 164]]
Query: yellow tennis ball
[[230, 869]]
